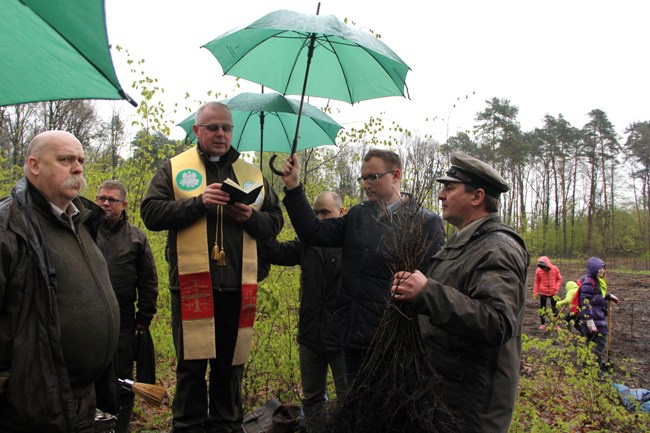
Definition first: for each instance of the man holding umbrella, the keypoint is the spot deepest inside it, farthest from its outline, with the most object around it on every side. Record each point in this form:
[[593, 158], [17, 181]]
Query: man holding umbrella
[[366, 272], [211, 250]]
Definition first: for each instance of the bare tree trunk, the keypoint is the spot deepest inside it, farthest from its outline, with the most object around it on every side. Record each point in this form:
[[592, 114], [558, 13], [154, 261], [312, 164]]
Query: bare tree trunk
[[612, 207], [606, 215], [591, 207], [573, 202], [20, 128]]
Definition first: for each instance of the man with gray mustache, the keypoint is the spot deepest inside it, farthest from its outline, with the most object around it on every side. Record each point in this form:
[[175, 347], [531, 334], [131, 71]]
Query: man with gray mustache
[[75, 182], [59, 319]]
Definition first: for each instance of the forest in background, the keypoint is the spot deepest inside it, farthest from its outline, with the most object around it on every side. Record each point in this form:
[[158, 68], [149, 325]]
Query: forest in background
[[576, 190]]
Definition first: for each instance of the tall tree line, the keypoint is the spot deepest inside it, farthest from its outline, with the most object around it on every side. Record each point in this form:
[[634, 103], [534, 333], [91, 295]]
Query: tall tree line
[[570, 185], [574, 189]]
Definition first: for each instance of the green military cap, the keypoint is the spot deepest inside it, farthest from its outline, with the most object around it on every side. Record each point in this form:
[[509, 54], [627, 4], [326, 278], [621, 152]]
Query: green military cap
[[475, 173]]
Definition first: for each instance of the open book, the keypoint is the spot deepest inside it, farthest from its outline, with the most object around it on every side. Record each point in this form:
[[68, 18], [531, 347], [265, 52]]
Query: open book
[[239, 194]]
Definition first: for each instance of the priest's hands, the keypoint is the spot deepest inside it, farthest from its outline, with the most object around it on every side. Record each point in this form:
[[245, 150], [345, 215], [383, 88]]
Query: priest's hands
[[214, 196], [239, 212]]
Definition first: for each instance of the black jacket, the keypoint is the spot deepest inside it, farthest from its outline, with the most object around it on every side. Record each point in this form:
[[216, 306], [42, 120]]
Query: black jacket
[[366, 271], [35, 392], [319, 281], [132, 269], [471, 317]]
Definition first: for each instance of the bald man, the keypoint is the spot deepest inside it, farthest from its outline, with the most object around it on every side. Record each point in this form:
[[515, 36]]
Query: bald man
[[320, 279], [59, 319]]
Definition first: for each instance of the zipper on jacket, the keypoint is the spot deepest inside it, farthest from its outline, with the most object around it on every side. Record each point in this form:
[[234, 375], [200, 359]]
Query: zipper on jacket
[[96, 278]]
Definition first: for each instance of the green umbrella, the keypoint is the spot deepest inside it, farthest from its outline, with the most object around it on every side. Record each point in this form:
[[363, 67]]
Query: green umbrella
[[55, 49], [272, 117], [348, 64], [280, 49]]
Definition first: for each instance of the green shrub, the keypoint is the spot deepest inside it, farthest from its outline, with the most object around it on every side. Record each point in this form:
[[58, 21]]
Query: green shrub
[[561, 389]]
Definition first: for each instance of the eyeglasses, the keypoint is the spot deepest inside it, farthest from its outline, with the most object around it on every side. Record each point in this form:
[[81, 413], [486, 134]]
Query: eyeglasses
[[111, 201], [213, 127], [373, 177]]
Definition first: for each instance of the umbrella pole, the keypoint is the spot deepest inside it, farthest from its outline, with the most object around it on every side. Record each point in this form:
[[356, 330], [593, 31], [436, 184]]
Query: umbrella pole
[[261, 135], [294, 147]]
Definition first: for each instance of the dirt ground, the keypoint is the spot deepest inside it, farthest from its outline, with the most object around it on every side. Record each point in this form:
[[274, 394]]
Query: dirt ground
[[630, 318]]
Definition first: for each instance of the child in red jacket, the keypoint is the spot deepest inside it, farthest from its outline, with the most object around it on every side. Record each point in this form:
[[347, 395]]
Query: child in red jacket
[[547, 284]]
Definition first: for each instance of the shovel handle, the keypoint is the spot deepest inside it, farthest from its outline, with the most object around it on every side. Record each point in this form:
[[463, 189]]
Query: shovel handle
[[272, 167]]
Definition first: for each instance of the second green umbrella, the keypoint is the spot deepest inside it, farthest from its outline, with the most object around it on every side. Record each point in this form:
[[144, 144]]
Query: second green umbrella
[[267, 122]]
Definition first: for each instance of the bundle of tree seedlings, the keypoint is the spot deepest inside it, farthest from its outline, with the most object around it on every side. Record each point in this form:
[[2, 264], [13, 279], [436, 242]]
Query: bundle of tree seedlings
[[396, 388]]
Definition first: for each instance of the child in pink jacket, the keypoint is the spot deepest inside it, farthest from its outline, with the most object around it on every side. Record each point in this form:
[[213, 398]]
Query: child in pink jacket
[[547, 284]]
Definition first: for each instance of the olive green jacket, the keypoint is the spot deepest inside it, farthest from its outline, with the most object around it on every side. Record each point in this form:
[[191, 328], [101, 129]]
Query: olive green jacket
[[472, 310]]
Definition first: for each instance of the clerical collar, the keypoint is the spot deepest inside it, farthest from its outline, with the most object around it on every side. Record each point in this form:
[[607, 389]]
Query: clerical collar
[[215, 158]]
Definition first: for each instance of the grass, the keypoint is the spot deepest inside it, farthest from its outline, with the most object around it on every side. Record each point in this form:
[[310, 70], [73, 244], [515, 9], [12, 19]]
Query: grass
[[560, 389]]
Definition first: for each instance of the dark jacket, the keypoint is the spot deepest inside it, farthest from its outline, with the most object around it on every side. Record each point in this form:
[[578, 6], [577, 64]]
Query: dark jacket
[[319, 281], [132, 269], [35, 392], [593, 302], [160, 211], [472, 310], [366, 272]]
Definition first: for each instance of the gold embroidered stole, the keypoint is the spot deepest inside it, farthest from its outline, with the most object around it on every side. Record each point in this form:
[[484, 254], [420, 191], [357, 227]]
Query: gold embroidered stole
[[197, 302]]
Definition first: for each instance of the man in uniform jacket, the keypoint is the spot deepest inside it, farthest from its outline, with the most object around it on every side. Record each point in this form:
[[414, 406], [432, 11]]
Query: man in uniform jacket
[[132, 269], [366, 273], [319, 281], [217, 406], [471, 300], [59, 319]]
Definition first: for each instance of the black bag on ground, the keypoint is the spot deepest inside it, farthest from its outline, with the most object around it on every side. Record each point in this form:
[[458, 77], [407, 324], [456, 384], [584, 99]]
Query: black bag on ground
[[272, 417], [145, 357]]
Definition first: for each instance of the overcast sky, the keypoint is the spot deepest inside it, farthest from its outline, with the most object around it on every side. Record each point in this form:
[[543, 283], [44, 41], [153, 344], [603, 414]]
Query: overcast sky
[[546, 57]]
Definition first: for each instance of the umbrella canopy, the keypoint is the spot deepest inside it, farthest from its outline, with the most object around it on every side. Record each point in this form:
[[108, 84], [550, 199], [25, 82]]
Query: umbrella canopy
[[348, 64], [53, 50], [267, 121]]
